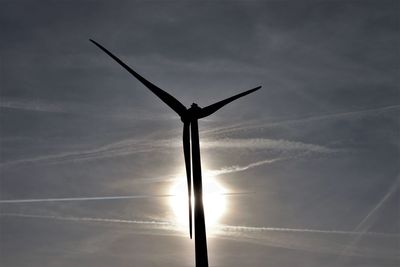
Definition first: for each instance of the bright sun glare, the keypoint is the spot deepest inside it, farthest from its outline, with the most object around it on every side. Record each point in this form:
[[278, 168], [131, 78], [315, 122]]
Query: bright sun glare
[[214, 200]]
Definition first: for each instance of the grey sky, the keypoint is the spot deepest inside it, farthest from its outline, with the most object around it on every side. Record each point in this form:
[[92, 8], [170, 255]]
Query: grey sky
[[316, 149]]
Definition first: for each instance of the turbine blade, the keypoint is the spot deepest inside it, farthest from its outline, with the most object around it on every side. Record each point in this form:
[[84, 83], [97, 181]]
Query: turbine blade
[[186, 152], [216, 106], [168, 99]]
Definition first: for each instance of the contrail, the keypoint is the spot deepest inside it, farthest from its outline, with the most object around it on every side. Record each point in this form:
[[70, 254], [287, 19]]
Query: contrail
[[132, 146], [254, 235], [9, 201], [34, 200], [31, 105], [231, 228], [390, 192], [89, 219], [120, 148], [264, 143], [237, 168], [257, 125], [362, 227], [226, 229], [135, 146]]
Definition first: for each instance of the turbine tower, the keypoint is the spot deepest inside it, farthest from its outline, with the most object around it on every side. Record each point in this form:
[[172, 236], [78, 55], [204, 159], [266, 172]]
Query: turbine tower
[[190, 119]]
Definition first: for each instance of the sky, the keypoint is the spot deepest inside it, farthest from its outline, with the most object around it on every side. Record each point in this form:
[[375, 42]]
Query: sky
[[309, 164]]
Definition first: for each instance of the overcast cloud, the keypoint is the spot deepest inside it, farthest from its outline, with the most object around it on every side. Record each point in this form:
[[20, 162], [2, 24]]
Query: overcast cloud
[[316, 149]]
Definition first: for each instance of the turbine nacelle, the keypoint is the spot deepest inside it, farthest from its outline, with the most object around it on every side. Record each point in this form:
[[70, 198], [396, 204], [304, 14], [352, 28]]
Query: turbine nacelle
[[194, 112], [194, 106]]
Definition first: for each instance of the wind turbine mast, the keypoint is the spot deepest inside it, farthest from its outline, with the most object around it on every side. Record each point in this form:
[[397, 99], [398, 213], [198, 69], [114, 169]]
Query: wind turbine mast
[[200, 238], [190, 119]]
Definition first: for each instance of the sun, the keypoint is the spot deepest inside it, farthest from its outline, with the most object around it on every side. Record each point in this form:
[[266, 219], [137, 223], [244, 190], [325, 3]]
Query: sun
[[214, 199]]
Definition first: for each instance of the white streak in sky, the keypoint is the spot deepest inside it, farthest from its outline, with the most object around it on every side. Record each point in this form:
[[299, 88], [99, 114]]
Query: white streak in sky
[[12, 201], [39, 105], [88, 219], [365, 223], [225, 228], [288, 238], [125, 147], [31, 105], [231, 228], [362, 225], [258, 124], [36, 200], [263, 143], [133, 146], [237, 168]]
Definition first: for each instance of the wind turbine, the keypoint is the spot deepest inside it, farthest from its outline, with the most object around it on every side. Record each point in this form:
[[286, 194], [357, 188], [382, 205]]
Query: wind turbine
[[189, 118]]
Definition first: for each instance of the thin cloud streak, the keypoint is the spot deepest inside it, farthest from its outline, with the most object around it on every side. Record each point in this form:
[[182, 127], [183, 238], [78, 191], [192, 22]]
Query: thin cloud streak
[[237, 168], [258, 125], [38, 200], [16, 201], [365, 223], [31, 105], [38, 105], [134, 146], [313, 243], [362, 226], [224, 228], [231, 228], [287, 238], [87, 219], [110, 150], [127, 147], [264, 143]]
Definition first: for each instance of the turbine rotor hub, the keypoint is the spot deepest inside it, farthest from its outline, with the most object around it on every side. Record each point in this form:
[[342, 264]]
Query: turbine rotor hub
[[194, 110], [192, 113]]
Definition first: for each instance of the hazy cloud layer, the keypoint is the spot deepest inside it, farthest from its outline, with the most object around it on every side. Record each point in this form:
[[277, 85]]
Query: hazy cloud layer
[[319, 143], [322, 241]]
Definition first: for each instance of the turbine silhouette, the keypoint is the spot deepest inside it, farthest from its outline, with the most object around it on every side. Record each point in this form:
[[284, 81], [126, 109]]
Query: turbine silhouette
[[189, 118]]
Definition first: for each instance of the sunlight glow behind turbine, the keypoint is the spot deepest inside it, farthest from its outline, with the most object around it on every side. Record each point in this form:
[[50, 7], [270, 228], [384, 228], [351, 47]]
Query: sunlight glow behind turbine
[[214, 198]]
